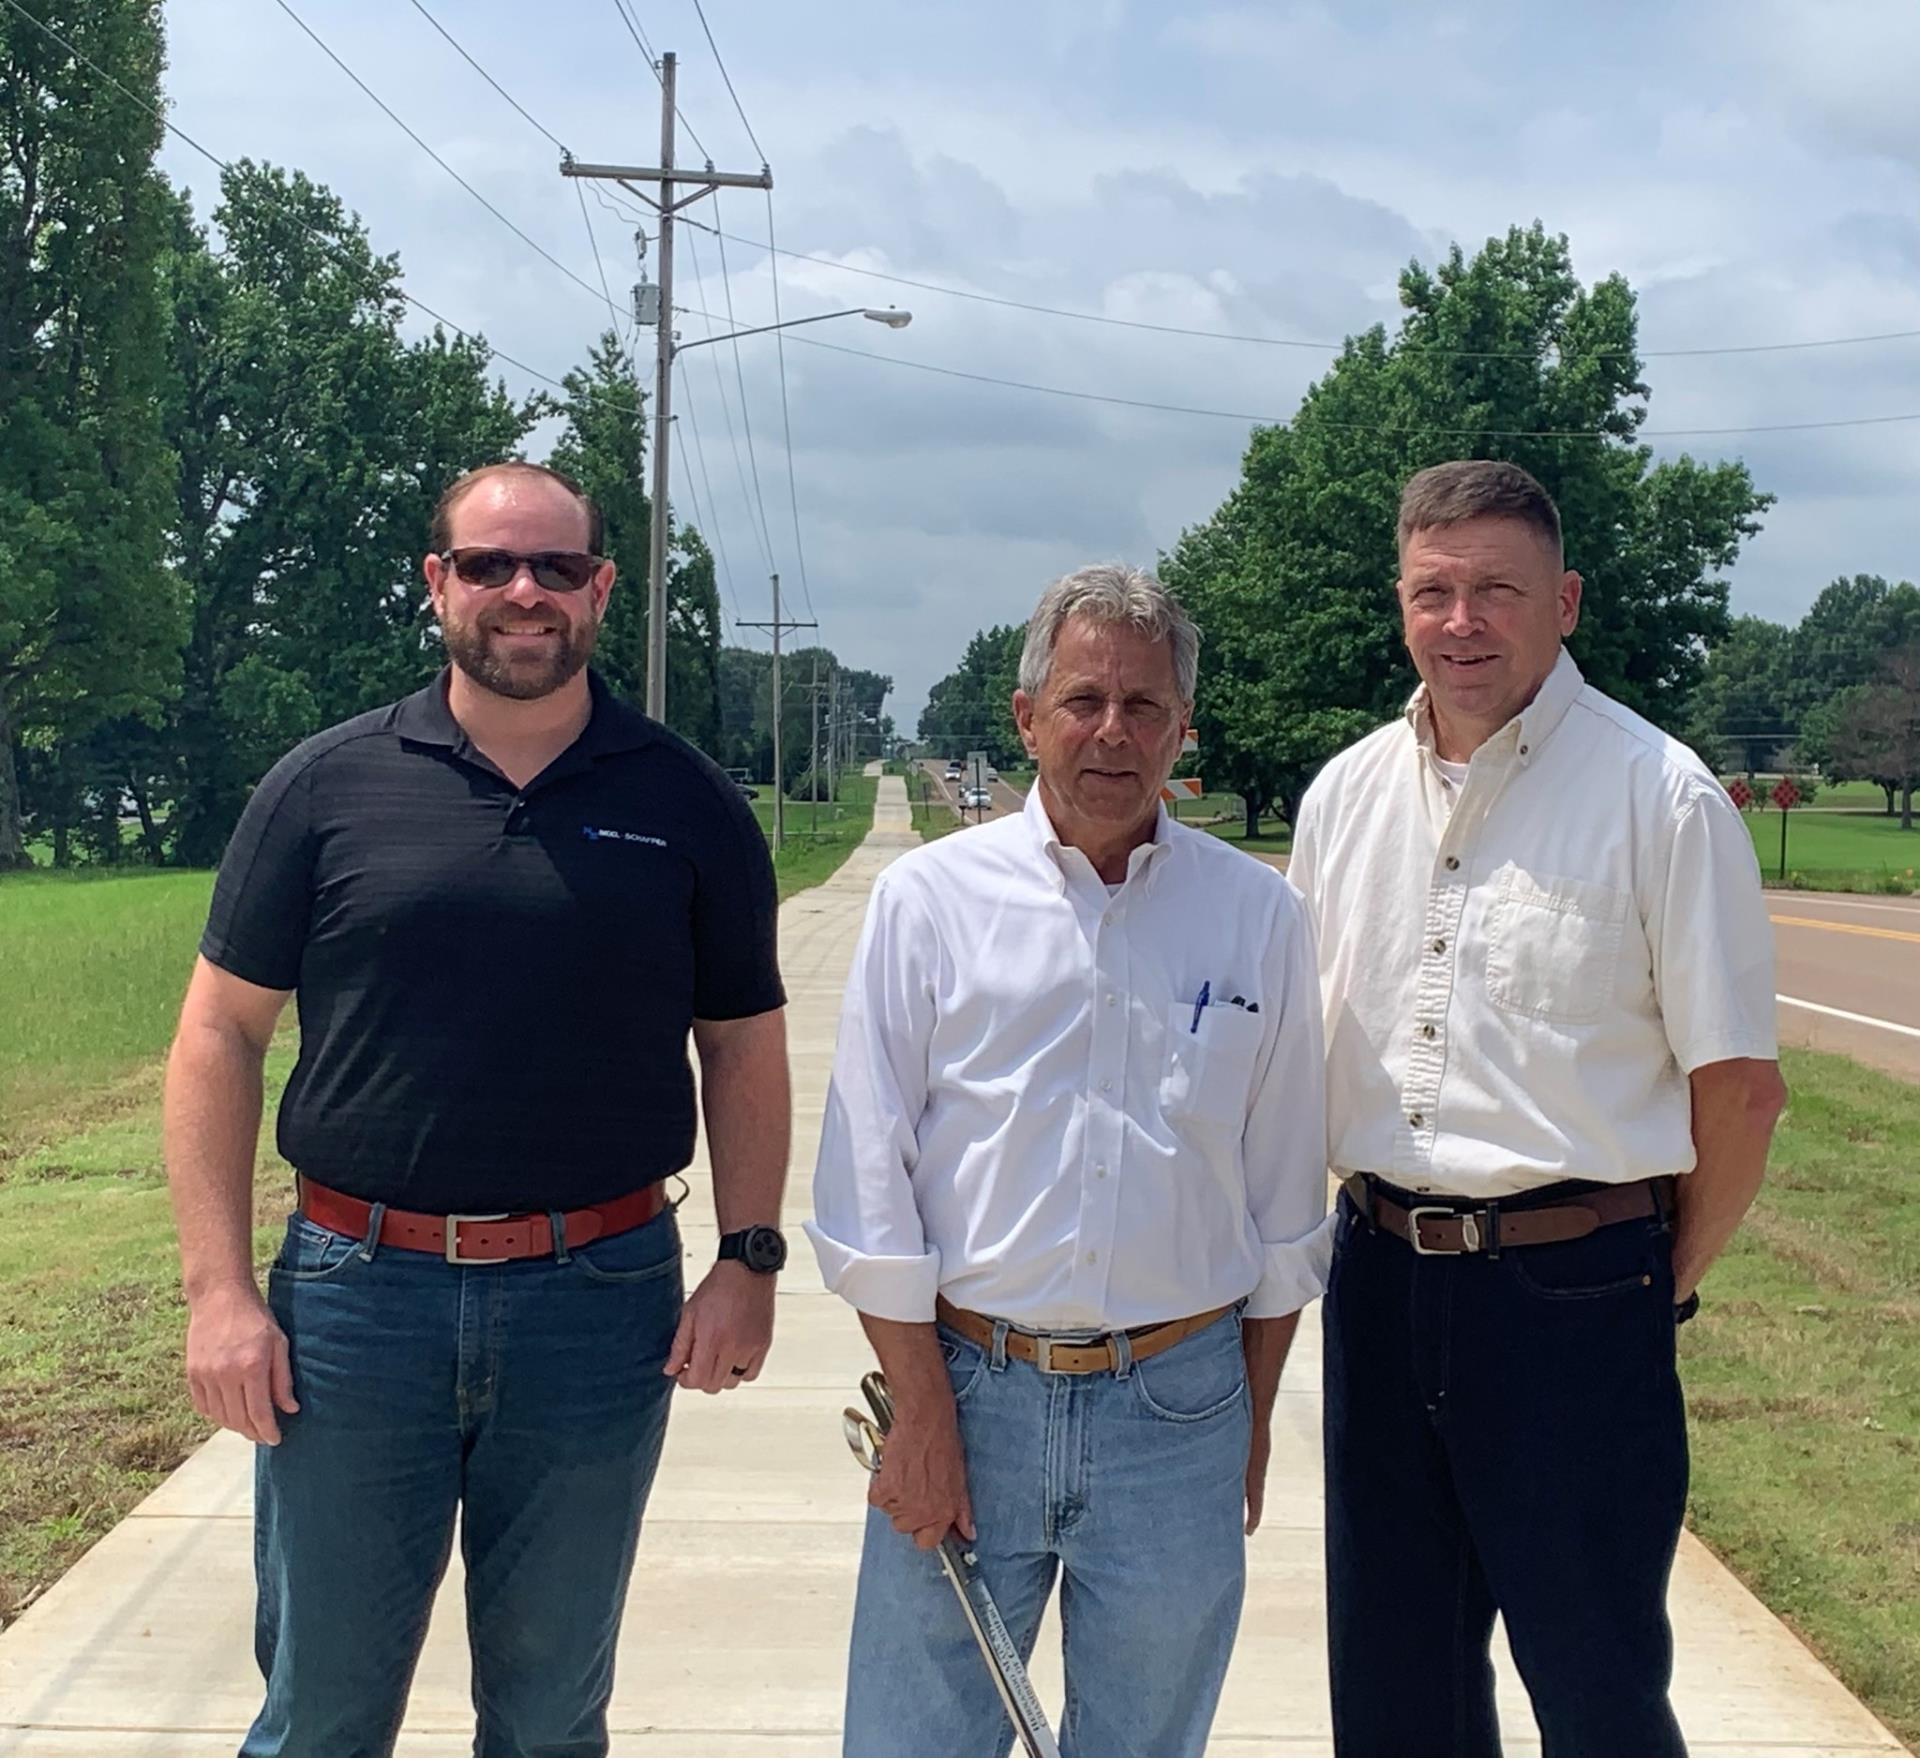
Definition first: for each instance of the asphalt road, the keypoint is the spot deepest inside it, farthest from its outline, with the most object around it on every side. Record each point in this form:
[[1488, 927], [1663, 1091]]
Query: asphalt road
[[1847, 970], [1005, 799]]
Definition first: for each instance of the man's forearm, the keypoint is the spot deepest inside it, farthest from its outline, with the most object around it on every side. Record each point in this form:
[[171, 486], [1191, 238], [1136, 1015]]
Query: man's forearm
[[916, 1370], [1735, 1106], [1266, 1342], [212, 1133], [749, 1113]]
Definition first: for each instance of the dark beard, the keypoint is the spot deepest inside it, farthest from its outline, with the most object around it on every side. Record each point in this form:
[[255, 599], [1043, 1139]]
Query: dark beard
[[527, 679]]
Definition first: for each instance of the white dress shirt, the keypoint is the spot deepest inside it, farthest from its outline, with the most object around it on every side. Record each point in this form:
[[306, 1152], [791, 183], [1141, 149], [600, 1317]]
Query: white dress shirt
[[1520, 971], [1028, 1112]]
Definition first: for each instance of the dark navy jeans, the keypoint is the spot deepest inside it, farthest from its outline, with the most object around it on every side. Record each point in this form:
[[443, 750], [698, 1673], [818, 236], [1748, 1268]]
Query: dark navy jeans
[[526, 1396], [1502, 1434]]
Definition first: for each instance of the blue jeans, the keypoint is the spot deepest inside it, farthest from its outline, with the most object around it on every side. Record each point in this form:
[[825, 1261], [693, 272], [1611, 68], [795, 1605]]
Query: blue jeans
[[1131, 1486], [1502, 1433], [526, 1395]]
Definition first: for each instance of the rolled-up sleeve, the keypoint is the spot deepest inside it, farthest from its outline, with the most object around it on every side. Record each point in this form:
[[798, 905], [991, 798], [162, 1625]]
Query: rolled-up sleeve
[[1284, 1148], [866, 1231], [1712, 943]]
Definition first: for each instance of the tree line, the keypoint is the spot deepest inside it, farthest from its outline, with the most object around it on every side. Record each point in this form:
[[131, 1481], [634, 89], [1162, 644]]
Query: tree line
[[221, 458], [1503, 354]]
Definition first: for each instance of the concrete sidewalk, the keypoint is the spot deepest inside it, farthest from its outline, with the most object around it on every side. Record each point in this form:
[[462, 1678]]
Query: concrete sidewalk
[[736, 1632]]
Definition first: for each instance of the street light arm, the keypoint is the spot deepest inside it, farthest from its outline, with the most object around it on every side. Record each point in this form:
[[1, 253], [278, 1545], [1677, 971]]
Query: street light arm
[[893, 320]]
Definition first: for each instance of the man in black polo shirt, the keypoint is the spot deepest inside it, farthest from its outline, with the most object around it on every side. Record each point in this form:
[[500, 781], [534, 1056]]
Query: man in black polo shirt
[[502, 904]]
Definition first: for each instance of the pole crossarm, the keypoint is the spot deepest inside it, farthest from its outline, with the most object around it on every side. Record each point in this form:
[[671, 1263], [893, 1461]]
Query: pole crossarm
[[760, 179]]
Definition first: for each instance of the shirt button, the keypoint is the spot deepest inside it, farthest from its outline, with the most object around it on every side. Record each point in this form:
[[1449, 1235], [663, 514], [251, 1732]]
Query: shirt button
[[1523, 750], [1099, 1171], [1109, 997], [1106, 1086], [1426, 1031], [1439, 946], [1416, 1120], [1093, 1257], [1453, 863]]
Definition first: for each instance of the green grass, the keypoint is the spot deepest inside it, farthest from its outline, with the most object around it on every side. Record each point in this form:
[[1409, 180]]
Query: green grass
[[1803, 1379], [1838, 851], [1275, 838], [89, 986]]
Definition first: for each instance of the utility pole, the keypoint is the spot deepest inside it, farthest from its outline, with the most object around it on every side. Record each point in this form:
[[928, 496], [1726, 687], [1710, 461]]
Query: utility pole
[[813, 768], [666, 180], [779, 625]]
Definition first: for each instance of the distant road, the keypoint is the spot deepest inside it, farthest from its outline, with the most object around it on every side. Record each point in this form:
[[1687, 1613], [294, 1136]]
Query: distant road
[[1847, 970], [1005, 799]]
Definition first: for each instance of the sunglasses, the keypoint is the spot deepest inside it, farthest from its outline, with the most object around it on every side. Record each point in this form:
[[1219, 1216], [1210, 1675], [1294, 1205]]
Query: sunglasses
[[553, 570]]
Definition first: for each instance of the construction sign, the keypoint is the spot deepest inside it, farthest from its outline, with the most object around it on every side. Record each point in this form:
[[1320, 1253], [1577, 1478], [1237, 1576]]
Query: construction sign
[[1187, 787]]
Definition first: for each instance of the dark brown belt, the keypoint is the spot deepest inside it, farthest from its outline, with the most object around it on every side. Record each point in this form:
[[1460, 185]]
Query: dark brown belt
[[479, 1239], [1101, 1355], [1450, 1230]]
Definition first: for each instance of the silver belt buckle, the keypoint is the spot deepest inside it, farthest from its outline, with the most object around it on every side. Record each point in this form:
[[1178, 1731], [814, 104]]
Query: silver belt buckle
[[1470, 1240], [1043, 1354], [452, 1242]]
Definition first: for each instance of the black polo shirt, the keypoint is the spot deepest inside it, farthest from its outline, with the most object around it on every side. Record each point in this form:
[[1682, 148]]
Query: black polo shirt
[[495, 984]]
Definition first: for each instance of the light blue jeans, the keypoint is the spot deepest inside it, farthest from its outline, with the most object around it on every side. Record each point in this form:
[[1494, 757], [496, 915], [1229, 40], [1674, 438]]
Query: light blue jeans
[[1131, 1487]]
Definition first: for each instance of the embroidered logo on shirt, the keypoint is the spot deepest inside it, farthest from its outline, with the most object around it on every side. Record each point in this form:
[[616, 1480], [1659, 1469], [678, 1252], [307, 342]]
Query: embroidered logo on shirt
[[595, 833]]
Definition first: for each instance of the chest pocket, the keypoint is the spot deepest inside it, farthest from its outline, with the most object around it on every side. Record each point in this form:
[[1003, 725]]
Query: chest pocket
[[1210, 1072], [1554, 948]]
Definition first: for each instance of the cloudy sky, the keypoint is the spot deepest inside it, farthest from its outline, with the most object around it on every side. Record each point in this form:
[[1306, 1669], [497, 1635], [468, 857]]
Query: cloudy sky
[[1753, 167]]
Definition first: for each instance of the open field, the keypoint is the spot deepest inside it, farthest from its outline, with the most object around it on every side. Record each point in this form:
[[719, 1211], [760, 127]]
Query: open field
[[1838, 851]]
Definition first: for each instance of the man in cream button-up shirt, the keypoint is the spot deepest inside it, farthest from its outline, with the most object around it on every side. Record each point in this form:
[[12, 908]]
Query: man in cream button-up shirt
[[1547, 974], [1077, 1094]]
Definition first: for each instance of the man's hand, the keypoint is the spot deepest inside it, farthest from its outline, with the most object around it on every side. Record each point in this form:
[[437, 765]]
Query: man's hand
[[726, 1329], [1258, 1454], [239, 1369], [922, 1482]]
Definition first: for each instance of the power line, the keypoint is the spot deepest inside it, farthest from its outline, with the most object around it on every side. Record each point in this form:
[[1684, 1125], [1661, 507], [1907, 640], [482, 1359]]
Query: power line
[[1131, 323], [1268, 420], [653, 66], [226, 169], [713, 506], [484, 74], [740, 376], [395, 119], [786, 420], [733, 439], [724, 74]]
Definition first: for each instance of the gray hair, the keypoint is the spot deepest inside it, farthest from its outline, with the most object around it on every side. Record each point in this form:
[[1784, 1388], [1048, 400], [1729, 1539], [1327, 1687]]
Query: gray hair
[[1110, 592]]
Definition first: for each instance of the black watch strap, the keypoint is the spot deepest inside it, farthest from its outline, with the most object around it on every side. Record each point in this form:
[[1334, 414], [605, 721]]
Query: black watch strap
[[762, 1249]]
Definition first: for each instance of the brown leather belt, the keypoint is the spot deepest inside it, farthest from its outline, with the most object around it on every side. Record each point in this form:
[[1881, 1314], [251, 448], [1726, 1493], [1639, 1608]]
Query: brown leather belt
[[1100, 1355], [1447, 1229], [479, 1239]]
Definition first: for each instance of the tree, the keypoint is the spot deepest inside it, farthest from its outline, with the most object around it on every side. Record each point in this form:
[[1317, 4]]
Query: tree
[[971, 708], [1876, 734], [1291, 579], [603, 448], [89, 616], [1740, 716], [313, 440]]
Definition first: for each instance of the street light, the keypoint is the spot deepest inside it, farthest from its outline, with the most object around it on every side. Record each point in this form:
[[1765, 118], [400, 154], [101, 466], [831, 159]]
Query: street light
[[892, 318]]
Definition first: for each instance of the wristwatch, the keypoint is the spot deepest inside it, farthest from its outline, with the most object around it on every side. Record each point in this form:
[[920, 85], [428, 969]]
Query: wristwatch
[[762, 1249]]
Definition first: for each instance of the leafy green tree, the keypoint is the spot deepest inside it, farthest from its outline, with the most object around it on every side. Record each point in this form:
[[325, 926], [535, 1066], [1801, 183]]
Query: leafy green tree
[[603, 448], [971, 708], [90, 618], [1291, 580], [313, 440], [1740, 716]]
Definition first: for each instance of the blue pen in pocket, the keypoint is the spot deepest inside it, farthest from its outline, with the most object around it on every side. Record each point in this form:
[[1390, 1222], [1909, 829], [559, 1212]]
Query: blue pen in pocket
[[1200, 1006]]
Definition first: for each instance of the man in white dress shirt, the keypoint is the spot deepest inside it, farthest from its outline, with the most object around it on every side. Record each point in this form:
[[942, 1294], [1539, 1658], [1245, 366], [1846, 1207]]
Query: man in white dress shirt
[[1551, 1083], [1073, 1177]]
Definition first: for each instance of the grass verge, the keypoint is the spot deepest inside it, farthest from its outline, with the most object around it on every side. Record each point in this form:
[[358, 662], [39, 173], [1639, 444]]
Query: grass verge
[[1838, 851], [1803, 1381]]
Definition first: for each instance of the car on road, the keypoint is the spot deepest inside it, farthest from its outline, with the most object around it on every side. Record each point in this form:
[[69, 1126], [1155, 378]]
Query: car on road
[[976, 796]]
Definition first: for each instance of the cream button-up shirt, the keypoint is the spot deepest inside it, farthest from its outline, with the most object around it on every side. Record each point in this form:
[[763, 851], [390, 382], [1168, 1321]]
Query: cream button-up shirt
[[1520, 972], [1031, 1113]]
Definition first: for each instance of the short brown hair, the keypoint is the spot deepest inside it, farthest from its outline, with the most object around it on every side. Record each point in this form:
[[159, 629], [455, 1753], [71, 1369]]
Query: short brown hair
[[1476, 488], [440, 534]]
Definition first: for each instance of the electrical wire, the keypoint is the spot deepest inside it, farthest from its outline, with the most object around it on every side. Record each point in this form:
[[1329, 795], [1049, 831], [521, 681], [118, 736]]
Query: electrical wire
[[653, 66], [786, 419], [724, 74], [393, 117], [1130, 323], [733, 439], [746, 415], [226, 169], [713, 506]]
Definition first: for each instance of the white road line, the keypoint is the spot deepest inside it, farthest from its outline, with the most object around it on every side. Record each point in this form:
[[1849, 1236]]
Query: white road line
[[1886, 1025], [1822, 900]]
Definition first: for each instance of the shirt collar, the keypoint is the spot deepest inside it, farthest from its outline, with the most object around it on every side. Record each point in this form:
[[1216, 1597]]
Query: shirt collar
[[1046, 841], [613, 725], [1526, 734]]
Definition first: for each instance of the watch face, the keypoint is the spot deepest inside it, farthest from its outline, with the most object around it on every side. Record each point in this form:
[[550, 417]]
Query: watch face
[[765, 1249]]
